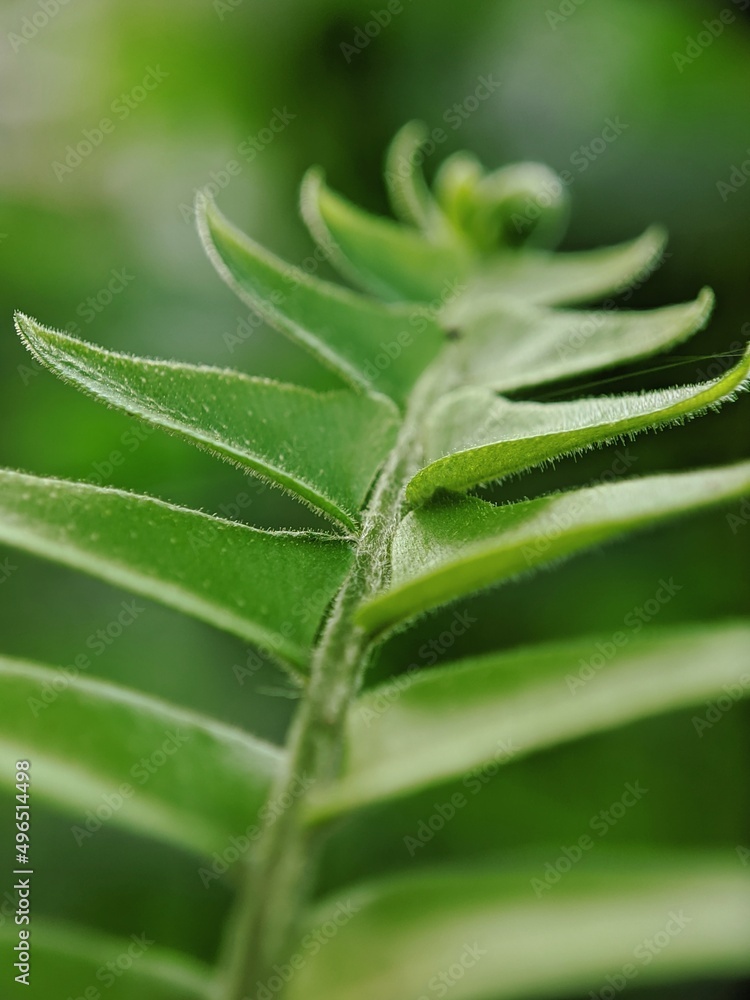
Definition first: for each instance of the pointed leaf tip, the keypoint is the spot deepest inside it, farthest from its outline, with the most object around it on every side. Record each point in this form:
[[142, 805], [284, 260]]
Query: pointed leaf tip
[[541, 277], [368, 344], [511, 345], [411, 199], [383, 257], [456, 547], [473, 436], [323, 447]]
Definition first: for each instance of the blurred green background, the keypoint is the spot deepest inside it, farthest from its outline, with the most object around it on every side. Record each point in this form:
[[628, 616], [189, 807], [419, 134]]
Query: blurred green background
[[222, 74]]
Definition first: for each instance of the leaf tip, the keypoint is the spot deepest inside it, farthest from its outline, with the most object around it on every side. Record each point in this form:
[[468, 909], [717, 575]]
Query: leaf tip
[[24, 324], [311, 188], [704, 304], [655, 236], [34, 337], [205, 206]]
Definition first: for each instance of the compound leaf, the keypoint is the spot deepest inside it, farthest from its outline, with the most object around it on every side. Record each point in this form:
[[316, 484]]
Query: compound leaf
[[437, 724], [70, 961], [512, 345], [268, 587], [324, 447], [129, 759], [561, 279], [400, 264], [457, 546], [473, 436], [479, 930], [411, 198], [384, 257], [368, 344]]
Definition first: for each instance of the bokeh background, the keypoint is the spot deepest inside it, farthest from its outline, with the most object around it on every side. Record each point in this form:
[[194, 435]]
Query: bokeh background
[[226, 71]]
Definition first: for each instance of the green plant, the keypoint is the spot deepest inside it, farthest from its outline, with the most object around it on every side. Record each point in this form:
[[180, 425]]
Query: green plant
[[469, 310]]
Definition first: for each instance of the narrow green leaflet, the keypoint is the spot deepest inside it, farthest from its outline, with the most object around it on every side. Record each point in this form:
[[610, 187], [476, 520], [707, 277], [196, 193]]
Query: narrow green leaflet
[[473, 436], [268, 587], [384, 257], [488, 935], [561, 279], [439, 724], [68, 961], [324, 447], [368, 344], [400, 264], [512, 345], [178, 776], [411, 198], [448, 549]]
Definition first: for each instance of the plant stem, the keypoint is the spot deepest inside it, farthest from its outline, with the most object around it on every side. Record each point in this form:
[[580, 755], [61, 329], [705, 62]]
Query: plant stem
[[277, 881]]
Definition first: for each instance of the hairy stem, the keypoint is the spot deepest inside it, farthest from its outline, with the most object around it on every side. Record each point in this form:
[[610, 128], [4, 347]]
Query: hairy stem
[[277, 880]]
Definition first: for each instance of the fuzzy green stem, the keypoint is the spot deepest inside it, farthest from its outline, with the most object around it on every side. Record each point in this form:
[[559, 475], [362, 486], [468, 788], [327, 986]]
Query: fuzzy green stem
[[277, 881]]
